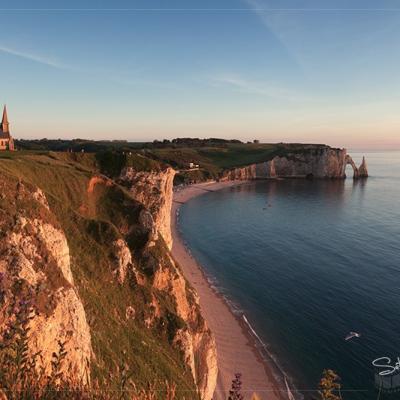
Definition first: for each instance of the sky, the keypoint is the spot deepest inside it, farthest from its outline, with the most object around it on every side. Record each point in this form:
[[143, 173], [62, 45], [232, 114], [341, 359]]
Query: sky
[[278, 71]]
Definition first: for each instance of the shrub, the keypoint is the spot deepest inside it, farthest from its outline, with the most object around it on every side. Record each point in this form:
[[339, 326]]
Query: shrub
[[329, 385], [234, 393], [20, 375]]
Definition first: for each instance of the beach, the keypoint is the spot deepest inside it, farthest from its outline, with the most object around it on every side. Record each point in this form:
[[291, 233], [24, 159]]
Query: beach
[[236, 347]]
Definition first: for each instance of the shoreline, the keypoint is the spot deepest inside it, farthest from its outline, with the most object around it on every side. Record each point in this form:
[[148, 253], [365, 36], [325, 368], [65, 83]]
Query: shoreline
[[239, 349]]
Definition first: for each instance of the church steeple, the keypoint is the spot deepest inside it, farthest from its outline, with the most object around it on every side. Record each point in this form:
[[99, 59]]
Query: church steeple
[[4, 121]]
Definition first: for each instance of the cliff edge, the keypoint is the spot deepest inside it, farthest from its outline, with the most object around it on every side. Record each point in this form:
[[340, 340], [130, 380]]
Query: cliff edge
[[154, 190], [314, 162]]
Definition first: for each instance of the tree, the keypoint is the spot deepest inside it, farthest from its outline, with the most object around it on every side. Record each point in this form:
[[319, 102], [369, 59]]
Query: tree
[[234, 393], [328, 385]]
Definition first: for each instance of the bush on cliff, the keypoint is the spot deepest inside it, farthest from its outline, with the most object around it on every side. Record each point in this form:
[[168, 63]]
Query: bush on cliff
[[329, 386]]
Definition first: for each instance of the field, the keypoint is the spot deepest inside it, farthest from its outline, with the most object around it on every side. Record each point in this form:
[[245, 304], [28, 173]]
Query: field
[[213, 156], [213, 161]]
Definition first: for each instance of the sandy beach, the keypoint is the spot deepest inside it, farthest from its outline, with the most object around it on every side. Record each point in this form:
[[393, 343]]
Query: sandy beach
[[235, 348]]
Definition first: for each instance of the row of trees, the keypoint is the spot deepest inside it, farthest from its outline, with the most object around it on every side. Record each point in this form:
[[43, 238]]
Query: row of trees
[[194, 142], [76, 145]]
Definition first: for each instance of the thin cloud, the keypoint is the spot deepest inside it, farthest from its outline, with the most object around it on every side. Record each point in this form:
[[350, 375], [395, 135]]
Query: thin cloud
[[144, 82], [260, 88], [51, 62], [276, 23], [33, 57]]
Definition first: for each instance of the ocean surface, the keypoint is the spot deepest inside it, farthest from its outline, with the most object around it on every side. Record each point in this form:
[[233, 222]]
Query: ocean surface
[[307, 262]]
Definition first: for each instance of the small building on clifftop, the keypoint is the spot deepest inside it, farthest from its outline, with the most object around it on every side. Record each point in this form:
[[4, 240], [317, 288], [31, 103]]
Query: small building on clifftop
[[6, 140]]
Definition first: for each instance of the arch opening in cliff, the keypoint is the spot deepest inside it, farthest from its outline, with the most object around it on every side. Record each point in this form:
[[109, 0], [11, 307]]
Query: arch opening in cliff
[[360, 172], [349, 161]]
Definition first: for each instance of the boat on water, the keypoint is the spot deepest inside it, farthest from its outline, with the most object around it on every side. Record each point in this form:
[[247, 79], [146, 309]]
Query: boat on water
[[352, 335]]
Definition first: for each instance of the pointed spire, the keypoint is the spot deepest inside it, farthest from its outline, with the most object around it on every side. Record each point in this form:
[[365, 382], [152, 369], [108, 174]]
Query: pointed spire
[[4, 121], [363, 169], [5, 118]]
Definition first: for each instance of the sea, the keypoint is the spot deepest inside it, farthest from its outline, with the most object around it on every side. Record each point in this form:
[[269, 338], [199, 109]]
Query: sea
[[306, 262]]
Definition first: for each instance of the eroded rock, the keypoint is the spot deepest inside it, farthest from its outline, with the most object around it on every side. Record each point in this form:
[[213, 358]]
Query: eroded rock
[[363, 170], [147, 223], [154, 190], [195, 340], [123, 260], [35, 259], [325, 162]]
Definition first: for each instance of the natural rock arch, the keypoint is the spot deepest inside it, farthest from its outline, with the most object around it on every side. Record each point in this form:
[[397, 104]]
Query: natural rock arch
[[361, 172], [350, 161]]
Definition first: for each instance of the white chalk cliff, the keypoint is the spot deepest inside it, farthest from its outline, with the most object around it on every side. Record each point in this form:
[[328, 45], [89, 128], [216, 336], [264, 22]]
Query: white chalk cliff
[[321, 162]]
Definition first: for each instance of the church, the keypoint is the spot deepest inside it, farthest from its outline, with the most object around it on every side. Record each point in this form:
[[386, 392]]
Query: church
[[6, 140]]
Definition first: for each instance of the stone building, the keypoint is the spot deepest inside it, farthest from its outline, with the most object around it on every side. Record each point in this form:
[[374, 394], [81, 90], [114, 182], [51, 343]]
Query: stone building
[[6, 140]]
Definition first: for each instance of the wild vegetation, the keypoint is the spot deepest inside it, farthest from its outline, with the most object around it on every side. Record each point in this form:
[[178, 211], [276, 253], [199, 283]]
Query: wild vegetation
[[329, 386], [21, 379], [91, 222], [235, 392], [122, 145], [212, 155]]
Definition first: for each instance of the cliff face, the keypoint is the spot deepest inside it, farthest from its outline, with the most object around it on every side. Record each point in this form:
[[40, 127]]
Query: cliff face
[[324, 162], [154, 191], [172, 306], [96, 263], [35, 271], [195, 339]]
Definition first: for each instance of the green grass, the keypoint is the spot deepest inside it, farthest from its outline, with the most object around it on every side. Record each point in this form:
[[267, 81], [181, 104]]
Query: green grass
[[215, 160], [111, 162], [91, 223]]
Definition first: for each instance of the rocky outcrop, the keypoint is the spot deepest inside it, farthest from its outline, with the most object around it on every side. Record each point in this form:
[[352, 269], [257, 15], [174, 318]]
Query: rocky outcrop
[[154, 190], [363, 170], [123, 260], [35, 270], [195, 340], [349, 161], [200, 354], [149, 226], [321, 162]]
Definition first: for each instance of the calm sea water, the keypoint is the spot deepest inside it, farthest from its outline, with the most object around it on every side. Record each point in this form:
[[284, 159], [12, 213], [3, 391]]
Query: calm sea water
[[307, 262]]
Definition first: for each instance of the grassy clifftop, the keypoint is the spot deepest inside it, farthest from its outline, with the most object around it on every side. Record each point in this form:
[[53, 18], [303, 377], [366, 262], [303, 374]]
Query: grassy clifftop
[[93, 215], [214, 156], [214, 160]]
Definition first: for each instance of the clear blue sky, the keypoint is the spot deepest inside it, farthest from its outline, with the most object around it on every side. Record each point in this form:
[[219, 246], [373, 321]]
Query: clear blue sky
[[305, 71]]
